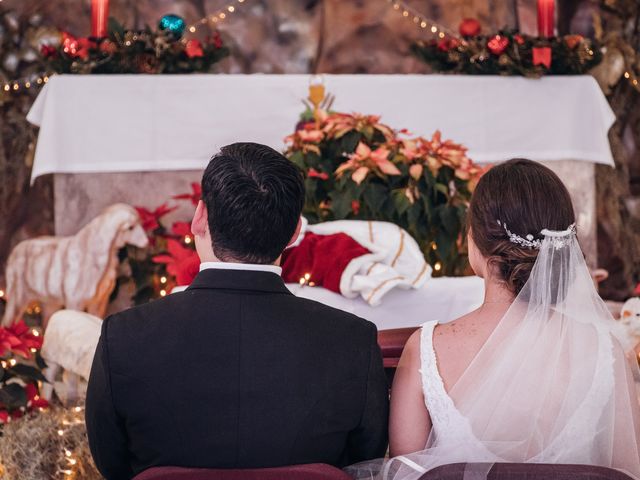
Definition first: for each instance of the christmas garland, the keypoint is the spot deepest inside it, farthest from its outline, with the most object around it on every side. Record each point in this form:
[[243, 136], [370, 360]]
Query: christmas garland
[[508, 53], [128, 51]]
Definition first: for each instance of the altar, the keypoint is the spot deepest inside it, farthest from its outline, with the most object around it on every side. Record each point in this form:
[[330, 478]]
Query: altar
[[141, 138]]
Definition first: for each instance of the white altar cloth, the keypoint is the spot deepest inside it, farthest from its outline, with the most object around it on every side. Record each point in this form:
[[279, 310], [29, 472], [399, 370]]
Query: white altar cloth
[[443, 299], [124, 123]]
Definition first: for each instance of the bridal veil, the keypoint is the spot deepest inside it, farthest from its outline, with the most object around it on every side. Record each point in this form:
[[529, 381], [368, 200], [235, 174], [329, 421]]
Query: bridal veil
[[554, 383]]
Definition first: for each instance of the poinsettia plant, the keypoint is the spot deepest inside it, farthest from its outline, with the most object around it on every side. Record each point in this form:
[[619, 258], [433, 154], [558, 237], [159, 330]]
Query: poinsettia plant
[[171, 259], [20, 371], [359, 168]]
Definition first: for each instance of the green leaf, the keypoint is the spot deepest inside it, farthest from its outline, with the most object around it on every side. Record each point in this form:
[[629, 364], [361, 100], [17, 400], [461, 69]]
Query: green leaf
[[115, 29], [450, 221], [374, 196], [297, 158], [13, 396], [27, 372], [340, 205], [400, 201]]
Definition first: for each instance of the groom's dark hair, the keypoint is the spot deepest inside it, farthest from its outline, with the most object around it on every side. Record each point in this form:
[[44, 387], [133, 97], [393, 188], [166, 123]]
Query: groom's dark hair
[[254, 197]]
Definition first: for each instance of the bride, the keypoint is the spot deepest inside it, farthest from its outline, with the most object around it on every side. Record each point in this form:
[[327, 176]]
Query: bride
[[537, 373]]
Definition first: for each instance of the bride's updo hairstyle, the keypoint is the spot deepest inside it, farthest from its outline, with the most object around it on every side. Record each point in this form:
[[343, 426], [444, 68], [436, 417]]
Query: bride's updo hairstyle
[[524, 197]]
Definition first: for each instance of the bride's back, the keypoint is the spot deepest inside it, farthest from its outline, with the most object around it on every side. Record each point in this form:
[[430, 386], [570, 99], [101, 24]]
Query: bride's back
[[534, 374]]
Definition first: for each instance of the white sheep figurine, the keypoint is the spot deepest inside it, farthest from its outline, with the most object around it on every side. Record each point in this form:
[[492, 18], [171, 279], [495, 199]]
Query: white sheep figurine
[[76, 272]]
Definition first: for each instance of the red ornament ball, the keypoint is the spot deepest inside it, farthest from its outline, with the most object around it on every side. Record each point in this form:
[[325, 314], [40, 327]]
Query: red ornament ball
[[497, 44], [470, 27]]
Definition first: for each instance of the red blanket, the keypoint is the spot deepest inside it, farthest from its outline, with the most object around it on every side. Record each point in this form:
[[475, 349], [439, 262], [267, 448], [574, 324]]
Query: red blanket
[[323, 257]]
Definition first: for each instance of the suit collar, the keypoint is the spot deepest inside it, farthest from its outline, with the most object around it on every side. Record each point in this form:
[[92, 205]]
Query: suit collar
[[239, 280]]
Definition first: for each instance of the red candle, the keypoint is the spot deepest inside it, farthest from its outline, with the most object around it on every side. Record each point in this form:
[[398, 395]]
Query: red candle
[[99, 17], [546, 18]]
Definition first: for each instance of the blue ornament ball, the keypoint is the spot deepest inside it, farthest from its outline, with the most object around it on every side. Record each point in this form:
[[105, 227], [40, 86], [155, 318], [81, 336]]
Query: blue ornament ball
[[172, 23]]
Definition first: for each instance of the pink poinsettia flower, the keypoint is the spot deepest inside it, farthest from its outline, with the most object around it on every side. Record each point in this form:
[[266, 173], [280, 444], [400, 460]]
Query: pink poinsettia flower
[[364, 160], [310, 135]]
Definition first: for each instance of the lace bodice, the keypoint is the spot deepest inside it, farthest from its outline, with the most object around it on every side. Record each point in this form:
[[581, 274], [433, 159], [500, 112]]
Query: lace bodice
[[445, 418]]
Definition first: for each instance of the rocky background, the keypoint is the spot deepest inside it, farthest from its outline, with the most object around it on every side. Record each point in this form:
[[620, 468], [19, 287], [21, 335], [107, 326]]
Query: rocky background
[[335, 36]]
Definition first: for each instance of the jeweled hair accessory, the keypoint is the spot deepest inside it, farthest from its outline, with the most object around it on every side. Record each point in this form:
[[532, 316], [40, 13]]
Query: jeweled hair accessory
[[529, 241], [559, 238]]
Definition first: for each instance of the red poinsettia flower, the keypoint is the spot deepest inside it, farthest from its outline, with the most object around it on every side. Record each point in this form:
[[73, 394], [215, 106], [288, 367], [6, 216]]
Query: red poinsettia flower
[[8, 342], [26, 339], [313, 173], [34, 400], [519, 39], [4, 416], [182, 262], [194, 49], [216, 40], [48, 51], [181, 229], [497, 44], [194, 196], [150, 219], [76, 47]]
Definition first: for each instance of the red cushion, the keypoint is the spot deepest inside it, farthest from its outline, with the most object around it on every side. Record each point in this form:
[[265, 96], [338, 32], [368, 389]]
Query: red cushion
[[312, 471]]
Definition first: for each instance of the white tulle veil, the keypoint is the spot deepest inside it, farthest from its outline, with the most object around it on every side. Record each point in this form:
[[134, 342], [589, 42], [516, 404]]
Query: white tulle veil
[[552, 384]]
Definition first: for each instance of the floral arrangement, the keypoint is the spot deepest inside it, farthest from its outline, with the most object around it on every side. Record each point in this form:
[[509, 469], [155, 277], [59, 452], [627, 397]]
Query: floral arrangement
[[359, 168], [21, 369], [508, 53], [127, 51], [171, 259]]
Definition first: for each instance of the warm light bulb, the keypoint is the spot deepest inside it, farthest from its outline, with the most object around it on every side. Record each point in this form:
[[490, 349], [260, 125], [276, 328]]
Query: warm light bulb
[[222, 16], [7, 88], [627, 74], [1, 293], [35, 333], [187, 239], [231, 8], [434, 29], [441, 34], [405, 13], [163, 293], [423, 24], [61, 432], [307, 276], [13, 362], [192, 29], [437, 267], [163, 279]]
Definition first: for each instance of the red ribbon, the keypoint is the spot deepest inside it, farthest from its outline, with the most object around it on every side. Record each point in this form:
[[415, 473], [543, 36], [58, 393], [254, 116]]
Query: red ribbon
[[542, 56]]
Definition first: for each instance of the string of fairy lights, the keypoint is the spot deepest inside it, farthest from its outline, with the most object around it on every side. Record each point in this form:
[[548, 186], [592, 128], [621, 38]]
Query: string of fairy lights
[[420, 20], [217, 17], [25, 83]]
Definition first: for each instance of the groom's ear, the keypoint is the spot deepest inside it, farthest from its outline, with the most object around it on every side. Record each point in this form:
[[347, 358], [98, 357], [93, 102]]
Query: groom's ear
[[199, 222], [296, 233]]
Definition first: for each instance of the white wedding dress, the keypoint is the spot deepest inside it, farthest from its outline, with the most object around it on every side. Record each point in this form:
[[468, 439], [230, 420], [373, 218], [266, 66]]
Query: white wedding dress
[[552, 384]]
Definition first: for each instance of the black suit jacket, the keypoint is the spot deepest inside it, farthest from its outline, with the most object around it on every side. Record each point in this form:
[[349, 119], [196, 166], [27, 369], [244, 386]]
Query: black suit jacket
[[235, 372]]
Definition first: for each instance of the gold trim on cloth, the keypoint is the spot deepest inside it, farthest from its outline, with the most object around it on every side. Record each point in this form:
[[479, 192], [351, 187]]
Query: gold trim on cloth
[[375, 290], [424, 269], [371, 267], [395, 259]]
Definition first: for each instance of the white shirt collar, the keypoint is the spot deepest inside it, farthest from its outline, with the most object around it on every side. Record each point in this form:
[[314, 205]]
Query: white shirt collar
[[241, 266]]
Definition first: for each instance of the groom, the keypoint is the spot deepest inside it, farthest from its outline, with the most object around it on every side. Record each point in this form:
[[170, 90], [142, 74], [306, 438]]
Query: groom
[[236, 372]]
